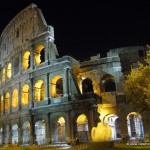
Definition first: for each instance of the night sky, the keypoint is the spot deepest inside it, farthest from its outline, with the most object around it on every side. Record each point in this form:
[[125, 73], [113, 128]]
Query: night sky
[[85, 28]]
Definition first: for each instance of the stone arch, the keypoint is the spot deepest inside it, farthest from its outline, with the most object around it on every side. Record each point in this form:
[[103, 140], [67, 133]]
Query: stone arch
[[59, 129], [26, 132], [108, 83], [40, 132], [56, 86], [26, 62], [135, 125], [9, 70], [14, 134], [39, 91], [87, 85], [113, 121], [7, 101], [25, 94], [39, 54], [15, 98], [82, 128]]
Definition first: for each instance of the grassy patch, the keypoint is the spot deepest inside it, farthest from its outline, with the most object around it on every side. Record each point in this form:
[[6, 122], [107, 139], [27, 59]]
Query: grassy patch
[[79, 147]]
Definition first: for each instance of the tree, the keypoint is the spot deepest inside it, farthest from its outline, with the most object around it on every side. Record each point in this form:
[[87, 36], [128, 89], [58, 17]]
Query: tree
[[137, 85]]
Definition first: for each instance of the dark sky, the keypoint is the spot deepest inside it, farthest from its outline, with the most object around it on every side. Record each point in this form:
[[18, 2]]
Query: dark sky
[[85, 28]]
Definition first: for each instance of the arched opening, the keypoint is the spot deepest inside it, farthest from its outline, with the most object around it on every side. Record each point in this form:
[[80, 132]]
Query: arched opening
[[25, 94], [108, 83], [57, 87], [135, 125], [26, 132], [40, 132], [15, 98], [7, 101], [39, 93], [26, 61], [87, 85], [82, 128], [3, 75], [7, 134], [113, 121], [39, 55], [110, 86], [59, 130], [9, 71], [1, 136], [15, 134], [2, 104]]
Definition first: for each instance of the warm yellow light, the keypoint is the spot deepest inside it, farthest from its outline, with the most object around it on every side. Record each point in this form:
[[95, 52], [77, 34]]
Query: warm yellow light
[[9, 71], [26, 60], [39, 93], [38, 55], [2, 104], [15, 98], [61, 120], [53, 86], [7, 101], [25, 94], [82, 119], [101, 133], [3, 75]]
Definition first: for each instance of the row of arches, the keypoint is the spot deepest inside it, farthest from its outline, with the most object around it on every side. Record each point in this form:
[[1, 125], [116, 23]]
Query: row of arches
[[39, 58], [134, 125], [40, 126], [107, 84], [8, 100], [56, 90]]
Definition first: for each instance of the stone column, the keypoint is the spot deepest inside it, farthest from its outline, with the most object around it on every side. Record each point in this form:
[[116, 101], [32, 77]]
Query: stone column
[[73, 128], [10, 136], [32, 58], [4, 95], [66, 82], [20, 136], [93, 116], [46, 87], [31, 91], [3, 133], [32, 130], [51, 129], [3, 112], [48, 137], [47, 41], [19, 96], [20, 63], [11, 100], [69, 126]]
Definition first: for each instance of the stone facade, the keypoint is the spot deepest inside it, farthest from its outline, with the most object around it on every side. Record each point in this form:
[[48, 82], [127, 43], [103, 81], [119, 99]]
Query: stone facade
[[46, 99]]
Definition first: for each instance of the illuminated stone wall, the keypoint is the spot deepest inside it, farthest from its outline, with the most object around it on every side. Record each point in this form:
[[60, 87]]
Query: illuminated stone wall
[[47, 99]]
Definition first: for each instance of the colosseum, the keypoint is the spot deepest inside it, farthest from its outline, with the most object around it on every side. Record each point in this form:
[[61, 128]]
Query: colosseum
[[48, 99]]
